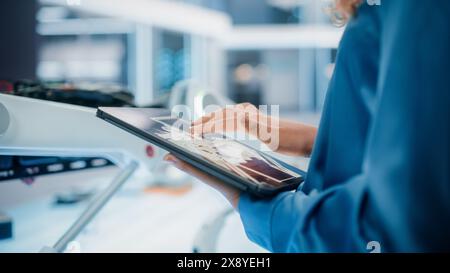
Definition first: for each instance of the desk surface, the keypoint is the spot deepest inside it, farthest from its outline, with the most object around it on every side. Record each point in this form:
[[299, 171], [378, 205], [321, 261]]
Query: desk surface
[[133, 221]]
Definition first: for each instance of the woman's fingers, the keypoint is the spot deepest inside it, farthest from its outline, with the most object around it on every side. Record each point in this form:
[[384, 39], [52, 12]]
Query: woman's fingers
[[211, 116], [170, 158], [242, 117], [229, 192], [185, 167], [215, 126], [202, 120], [207, 124]]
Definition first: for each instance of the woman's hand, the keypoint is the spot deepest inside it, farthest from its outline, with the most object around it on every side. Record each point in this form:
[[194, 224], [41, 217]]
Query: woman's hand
[[242, 117], [230, 193], [294, 139], [281, 136]]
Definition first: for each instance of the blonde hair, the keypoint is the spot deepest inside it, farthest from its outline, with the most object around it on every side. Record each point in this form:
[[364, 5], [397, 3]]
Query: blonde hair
[[342, 10]]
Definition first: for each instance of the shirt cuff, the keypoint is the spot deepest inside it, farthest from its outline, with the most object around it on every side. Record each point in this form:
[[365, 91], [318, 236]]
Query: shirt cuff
[[257, 215]]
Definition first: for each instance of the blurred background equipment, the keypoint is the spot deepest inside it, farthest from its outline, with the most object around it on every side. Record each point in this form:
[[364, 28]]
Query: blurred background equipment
[[208, 236], [40, 128], [149, 45], [5, 226], [89, 95], [28, 167]]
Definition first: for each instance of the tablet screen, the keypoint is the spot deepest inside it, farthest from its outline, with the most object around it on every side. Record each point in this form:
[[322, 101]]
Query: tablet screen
[[229, 154]]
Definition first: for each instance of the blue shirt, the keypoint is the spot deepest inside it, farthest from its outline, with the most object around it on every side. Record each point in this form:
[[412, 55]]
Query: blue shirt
[[380, 166]]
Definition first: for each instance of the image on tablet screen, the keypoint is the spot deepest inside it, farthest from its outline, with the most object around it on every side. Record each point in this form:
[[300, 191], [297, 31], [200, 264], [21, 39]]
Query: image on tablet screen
[[227, 153]]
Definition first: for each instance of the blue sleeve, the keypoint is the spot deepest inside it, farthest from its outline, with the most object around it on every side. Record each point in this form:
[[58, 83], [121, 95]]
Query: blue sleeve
[[401, 199]]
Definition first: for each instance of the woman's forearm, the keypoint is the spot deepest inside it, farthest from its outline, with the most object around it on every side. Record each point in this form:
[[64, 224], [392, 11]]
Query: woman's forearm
[[296, 138], [286, 137], [283, 136]]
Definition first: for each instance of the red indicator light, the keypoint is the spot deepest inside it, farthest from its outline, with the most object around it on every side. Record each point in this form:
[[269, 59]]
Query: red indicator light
[[150, 151]]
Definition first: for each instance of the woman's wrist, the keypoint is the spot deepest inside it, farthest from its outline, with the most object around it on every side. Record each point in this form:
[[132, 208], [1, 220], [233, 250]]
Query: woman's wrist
[[295, 139], [234, 199], [281, 135], [266, 129], [310, 133]]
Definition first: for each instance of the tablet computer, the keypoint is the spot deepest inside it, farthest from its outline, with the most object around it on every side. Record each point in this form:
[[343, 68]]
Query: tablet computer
[[227, 159]]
